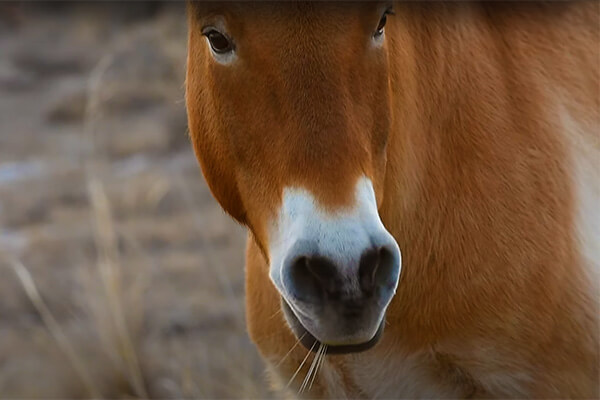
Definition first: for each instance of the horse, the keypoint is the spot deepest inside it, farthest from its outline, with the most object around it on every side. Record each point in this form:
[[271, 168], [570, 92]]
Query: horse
[[420, 183]]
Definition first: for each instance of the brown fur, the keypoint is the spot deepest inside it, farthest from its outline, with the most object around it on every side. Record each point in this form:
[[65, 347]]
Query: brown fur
[[455, 121]]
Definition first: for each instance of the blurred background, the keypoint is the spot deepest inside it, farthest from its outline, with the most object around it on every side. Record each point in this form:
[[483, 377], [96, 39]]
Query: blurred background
[[120, 275]]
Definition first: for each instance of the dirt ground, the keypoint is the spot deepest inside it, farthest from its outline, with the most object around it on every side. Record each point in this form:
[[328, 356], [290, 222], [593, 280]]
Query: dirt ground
[[103, 206]]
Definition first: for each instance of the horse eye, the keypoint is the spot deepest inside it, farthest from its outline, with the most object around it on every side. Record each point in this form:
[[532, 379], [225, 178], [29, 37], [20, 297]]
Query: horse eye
[[219, 42], [381, 25], [382, 22]]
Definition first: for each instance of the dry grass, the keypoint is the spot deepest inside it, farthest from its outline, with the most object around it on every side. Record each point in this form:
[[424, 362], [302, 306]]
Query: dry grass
[[115, 332], [129, 278], [54, 328]]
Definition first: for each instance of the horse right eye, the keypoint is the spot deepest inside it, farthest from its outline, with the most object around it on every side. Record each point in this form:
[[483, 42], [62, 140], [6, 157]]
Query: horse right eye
[[219, 43]]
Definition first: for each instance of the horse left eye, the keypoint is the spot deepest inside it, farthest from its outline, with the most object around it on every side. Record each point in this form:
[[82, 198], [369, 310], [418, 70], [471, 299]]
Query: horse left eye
[[382, 22], [381, 25]]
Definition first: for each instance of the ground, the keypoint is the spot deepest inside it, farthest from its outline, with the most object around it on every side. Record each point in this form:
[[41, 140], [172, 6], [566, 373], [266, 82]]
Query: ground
[[103, 206]]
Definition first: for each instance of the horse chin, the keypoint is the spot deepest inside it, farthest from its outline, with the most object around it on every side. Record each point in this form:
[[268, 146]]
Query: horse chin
[[313, 344]]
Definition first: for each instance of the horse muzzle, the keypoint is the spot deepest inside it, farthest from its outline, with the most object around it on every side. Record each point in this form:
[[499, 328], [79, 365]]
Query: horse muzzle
[[336, 274]]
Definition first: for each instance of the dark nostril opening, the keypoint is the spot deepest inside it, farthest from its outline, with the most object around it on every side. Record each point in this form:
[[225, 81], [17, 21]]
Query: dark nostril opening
[[376, 268], [385, 275], [312, 278], [369, 261], [327, 275], [305, 285]]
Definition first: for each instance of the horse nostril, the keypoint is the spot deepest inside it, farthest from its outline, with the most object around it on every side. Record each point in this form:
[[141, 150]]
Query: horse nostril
[[327, 274], [305, 283], [376, 267], [314, 279], [369, 261]]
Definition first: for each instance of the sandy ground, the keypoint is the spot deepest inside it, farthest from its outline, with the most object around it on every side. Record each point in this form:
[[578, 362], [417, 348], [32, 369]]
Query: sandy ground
[[103, 204]]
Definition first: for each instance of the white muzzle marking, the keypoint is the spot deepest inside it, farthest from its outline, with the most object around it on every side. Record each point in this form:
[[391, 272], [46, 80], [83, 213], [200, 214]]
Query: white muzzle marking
[[342, 236]]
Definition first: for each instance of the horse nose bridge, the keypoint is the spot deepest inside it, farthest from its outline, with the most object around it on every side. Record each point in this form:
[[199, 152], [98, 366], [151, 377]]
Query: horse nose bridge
[[338, 235]]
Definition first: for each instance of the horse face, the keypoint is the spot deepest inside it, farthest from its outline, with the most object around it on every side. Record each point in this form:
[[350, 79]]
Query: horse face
[[289, 113]]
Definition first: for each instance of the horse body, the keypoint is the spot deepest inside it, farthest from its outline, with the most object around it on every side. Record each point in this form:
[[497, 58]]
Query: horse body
[[490, 185]]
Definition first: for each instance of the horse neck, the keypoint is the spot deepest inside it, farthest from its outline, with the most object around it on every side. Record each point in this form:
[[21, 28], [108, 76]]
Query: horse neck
[[472, 165]]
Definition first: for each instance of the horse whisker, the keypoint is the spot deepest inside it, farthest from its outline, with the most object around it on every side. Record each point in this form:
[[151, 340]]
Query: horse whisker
[[311, 377], [275, 314], [301, 365], [312, 369], [292, 349], [319, 364], [308, 374]]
